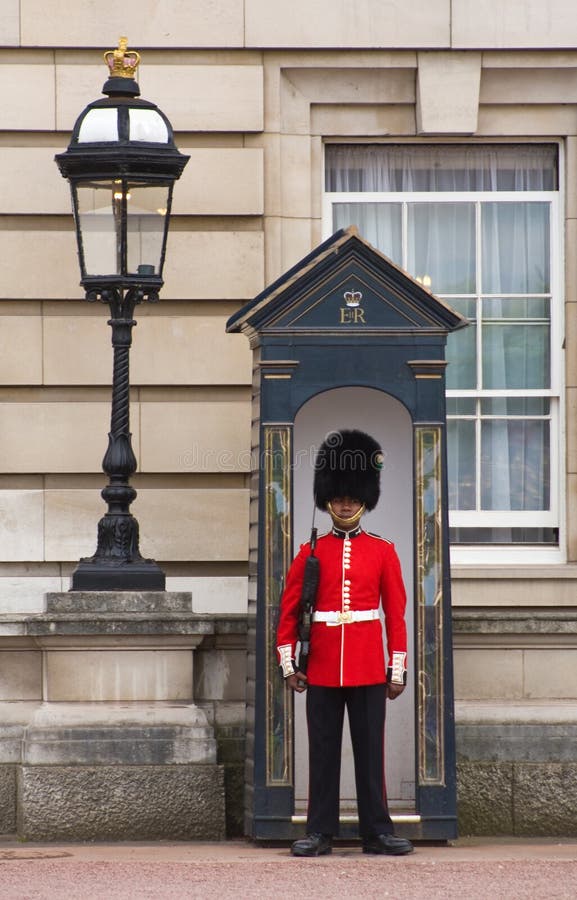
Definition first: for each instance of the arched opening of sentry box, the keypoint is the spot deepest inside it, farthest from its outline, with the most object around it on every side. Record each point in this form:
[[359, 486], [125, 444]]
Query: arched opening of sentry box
[[389, 422]]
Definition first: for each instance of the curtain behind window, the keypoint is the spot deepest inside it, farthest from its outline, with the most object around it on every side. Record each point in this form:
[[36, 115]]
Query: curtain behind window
[[441, 167]]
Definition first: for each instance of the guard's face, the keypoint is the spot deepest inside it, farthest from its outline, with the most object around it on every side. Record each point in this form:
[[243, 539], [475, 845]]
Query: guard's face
[[345, 507]]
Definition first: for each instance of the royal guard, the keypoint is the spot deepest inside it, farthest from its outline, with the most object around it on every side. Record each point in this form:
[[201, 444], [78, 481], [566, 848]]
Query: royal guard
[[356, 575]]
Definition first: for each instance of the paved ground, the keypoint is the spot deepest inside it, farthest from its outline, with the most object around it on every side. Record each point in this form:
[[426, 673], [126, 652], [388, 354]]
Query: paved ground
[[474, 869]]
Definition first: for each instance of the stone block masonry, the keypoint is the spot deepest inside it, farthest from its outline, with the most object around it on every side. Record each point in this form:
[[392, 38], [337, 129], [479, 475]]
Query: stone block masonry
[[87, 803]]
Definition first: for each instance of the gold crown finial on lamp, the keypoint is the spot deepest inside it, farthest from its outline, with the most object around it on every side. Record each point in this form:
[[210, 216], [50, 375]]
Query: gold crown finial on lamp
[[122, 62]]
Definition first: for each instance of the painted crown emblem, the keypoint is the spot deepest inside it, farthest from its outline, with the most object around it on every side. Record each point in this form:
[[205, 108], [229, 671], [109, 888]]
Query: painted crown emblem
[[122, 62], [353, 298]]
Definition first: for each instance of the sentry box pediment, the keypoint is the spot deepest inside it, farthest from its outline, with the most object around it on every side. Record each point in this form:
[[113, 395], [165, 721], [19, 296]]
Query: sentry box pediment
[[345, 287]]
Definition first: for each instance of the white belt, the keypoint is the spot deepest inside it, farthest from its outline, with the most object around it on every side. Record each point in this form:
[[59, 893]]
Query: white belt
[[345, 618]]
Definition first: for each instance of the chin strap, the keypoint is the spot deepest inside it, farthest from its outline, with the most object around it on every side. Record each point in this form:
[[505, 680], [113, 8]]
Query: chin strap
[[346, 524]]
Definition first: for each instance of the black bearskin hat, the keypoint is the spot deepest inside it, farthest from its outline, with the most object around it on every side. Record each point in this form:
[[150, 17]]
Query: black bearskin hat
[[348, 464]]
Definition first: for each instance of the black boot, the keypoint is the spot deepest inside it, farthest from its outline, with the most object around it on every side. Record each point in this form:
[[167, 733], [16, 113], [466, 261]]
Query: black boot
[[387, 844], [313, 845]]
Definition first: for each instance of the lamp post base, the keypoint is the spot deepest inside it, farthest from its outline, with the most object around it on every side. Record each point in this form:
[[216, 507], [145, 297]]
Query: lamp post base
[[104, 575]]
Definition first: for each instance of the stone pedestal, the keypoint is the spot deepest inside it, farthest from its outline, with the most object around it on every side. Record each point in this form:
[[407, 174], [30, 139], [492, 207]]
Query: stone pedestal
[[114, 747], [113, 771]]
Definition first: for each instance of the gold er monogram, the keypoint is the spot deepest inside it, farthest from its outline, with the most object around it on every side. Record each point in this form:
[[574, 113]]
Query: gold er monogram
[[352, 313], [122, 62]]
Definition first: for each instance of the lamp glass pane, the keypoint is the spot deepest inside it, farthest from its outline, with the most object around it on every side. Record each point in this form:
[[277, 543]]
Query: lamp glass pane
[[99, 125], [146, 208], [100, 224], [147, 125]]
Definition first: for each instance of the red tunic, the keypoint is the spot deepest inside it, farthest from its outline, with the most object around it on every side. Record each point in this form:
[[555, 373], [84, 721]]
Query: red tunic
[[357, 573]]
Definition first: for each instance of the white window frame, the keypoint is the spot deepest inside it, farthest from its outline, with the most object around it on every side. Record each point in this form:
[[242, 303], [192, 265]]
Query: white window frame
[[555, 516]]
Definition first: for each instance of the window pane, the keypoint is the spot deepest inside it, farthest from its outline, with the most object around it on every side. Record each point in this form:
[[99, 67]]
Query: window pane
[[461, 357], [378, 223], [461, 406], [516, 308], [441, 167], [441, 246], [515, 248], [515, 465], [515, 357], [504, 535], [515, 406], [461, 463], [462, 349]]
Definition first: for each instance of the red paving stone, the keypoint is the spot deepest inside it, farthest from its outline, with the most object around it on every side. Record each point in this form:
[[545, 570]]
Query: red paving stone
[[472, 869]]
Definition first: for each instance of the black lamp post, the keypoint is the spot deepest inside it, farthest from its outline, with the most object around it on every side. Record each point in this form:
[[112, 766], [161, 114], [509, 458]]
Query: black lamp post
[[121, 163]]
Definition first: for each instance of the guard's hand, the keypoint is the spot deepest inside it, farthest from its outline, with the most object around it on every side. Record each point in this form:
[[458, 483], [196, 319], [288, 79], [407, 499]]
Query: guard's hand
[[394, 690], [297, 682]]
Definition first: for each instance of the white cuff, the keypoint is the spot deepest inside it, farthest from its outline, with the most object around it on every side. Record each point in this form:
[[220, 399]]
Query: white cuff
[[398, 667], [286, 663]]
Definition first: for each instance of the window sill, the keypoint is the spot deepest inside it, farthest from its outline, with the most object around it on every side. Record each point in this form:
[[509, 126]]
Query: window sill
[[507, 556], [500, 572]]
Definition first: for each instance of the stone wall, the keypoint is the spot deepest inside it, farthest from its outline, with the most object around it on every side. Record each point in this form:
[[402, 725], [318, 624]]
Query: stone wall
[[516, 718]]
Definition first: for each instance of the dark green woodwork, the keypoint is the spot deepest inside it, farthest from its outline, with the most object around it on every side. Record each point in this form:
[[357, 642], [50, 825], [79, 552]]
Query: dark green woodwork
[[347, 316]]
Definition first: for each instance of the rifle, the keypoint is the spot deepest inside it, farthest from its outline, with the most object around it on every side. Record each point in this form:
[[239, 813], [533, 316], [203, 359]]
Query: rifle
[[307, 604]]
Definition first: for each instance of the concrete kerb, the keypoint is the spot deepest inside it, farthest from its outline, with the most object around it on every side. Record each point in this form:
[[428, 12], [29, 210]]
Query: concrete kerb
[[461, 850]]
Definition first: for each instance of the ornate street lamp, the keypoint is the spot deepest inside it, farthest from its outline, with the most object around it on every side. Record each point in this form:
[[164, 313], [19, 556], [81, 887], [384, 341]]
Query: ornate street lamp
[[121, 163]]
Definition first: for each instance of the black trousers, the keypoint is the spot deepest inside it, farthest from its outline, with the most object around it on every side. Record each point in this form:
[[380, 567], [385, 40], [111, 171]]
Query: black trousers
[[325, 715]]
